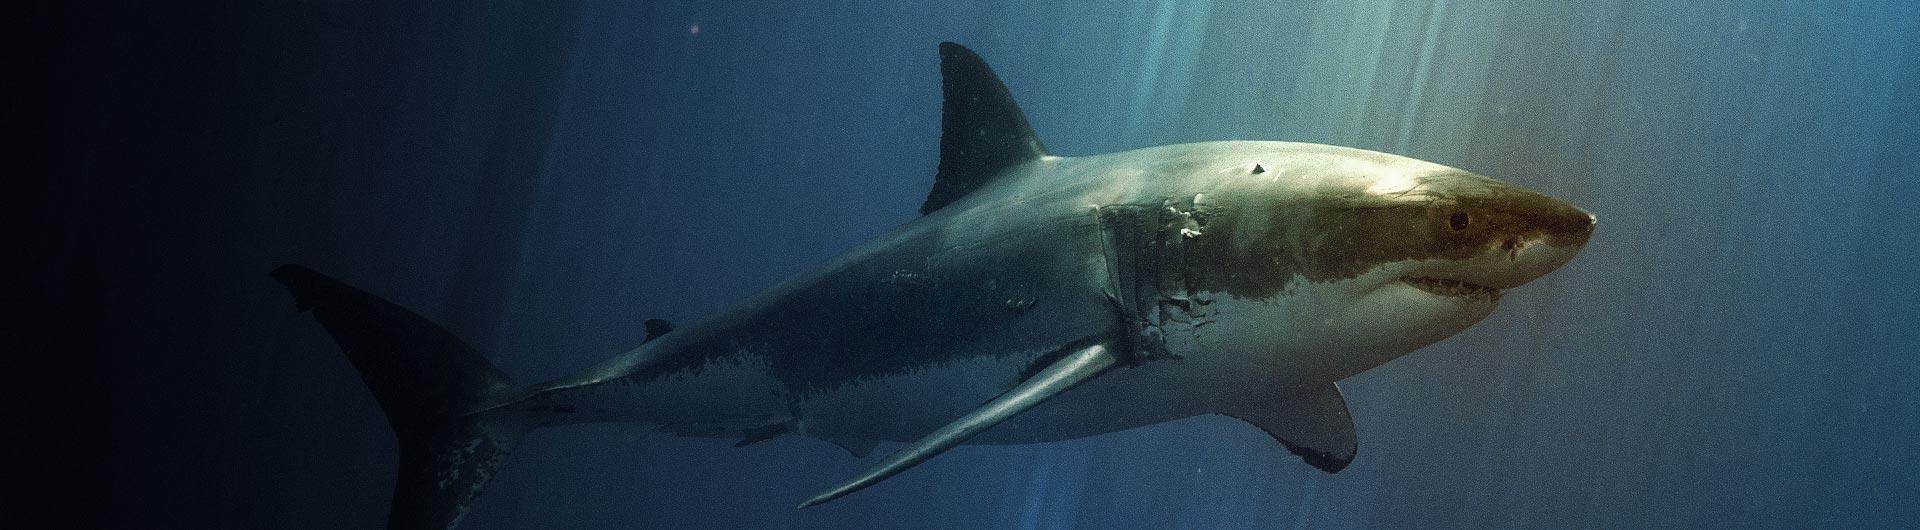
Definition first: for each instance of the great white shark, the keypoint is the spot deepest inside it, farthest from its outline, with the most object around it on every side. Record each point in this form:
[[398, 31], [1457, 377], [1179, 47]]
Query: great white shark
[[1038, 298]]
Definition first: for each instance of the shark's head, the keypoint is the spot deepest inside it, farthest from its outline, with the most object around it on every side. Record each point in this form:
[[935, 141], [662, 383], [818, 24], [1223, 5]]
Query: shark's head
[[1362, 256]]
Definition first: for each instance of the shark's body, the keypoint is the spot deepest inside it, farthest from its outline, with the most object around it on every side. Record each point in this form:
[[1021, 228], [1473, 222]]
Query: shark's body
[[1041, 298]]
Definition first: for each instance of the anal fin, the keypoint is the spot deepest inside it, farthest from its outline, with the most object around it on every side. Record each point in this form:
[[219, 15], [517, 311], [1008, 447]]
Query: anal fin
[[764, 433], [858, 447], [655, 328]]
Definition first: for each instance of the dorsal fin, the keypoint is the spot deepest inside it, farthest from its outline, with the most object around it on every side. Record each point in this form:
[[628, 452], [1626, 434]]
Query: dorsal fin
[[981, 129]]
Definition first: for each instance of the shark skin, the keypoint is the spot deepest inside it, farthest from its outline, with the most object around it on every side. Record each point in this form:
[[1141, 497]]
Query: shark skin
[[1042, 298]]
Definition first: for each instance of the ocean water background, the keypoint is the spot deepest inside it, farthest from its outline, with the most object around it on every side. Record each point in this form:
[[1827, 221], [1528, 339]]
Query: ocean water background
[[1736, 347]]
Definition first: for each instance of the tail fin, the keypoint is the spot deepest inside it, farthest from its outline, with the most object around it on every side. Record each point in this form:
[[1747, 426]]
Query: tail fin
[[427, 381]]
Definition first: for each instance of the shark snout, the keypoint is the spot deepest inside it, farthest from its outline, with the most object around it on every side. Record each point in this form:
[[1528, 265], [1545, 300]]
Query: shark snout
[[1569, 226], [1519, 234], [1563, 230]]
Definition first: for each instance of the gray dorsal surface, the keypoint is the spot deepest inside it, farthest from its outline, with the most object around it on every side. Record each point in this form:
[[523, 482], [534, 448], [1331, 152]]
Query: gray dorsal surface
[[982, 131], [1044, 298]]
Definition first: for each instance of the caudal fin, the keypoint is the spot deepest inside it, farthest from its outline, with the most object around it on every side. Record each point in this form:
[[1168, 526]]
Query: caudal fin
[[428, 382]]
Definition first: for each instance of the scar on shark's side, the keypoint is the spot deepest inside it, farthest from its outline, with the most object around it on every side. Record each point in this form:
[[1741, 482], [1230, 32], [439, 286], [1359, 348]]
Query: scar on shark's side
[[1038, 298]]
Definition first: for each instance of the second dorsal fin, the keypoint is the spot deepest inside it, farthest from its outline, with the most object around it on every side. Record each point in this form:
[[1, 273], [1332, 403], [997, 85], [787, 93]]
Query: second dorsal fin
[[982, 131]]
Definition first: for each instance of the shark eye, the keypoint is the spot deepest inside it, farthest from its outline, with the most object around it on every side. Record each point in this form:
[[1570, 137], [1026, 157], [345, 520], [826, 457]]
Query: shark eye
[[1458, 221]]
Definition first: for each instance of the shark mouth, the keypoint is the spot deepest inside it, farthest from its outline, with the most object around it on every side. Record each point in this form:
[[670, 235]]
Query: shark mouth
[[1453, 288]]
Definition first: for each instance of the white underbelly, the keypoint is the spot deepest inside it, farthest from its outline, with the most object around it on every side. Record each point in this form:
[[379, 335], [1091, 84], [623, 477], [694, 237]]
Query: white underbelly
[[906, 407], [1235, 354]]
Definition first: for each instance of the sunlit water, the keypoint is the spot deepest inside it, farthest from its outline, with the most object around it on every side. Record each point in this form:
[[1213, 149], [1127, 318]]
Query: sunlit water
[[1736, 346]]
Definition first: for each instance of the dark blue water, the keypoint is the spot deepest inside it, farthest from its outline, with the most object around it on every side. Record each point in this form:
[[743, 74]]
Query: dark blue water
[[1736, 347]]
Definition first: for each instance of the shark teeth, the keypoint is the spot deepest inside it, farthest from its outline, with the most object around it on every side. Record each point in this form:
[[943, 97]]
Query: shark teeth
[[1451, 287]]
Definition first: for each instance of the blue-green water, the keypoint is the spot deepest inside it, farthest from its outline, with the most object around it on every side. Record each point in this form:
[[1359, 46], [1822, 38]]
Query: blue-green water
[[1736, 347]]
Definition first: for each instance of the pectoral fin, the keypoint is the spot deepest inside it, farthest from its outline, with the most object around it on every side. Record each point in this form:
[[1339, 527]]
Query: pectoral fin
[[1312, 424], [1080, 365]]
